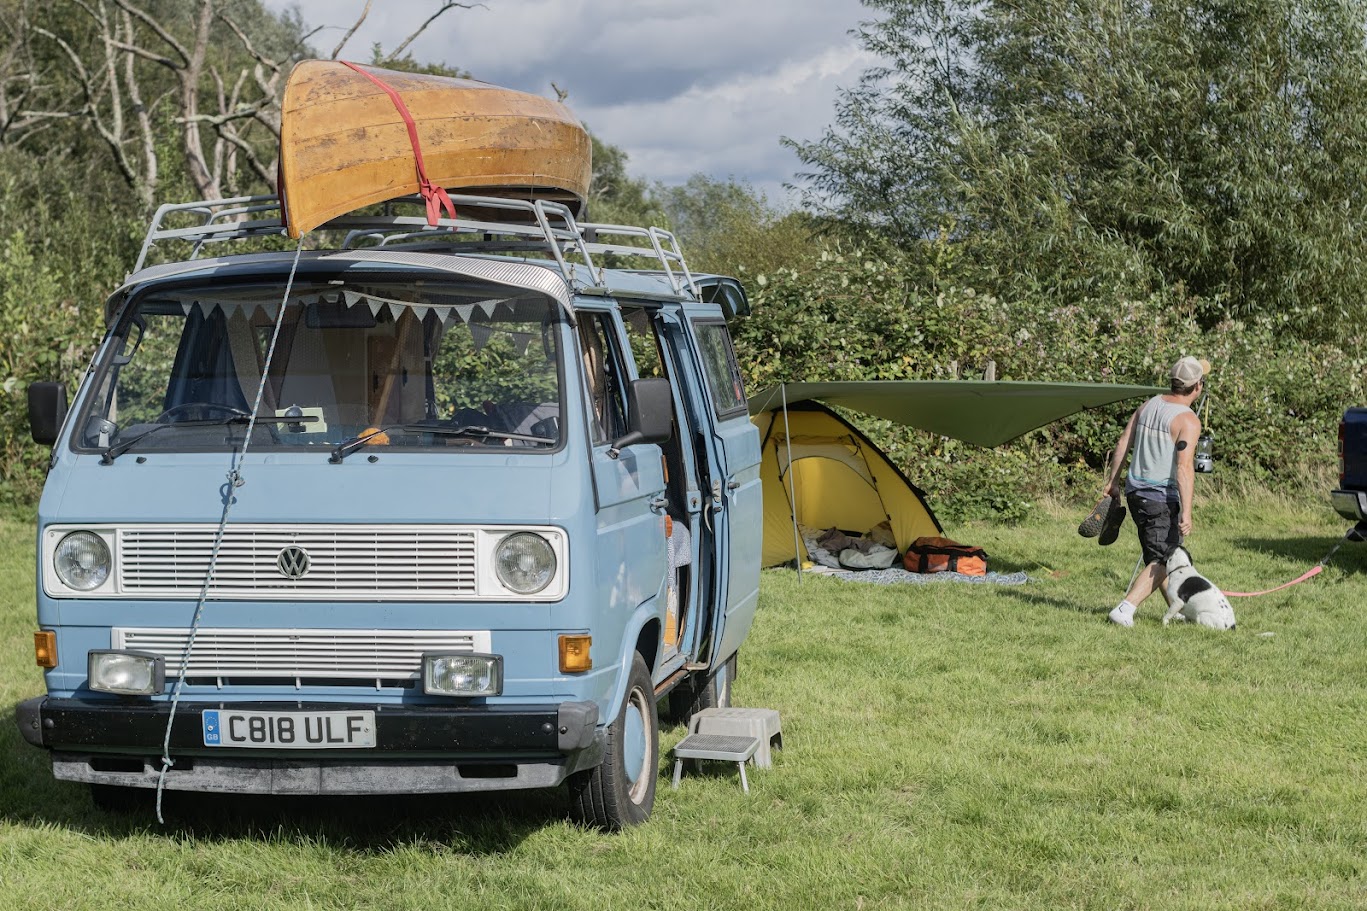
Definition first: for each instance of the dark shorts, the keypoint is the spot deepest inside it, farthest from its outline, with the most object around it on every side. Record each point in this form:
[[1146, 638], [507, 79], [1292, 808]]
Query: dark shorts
[[1157, 522]]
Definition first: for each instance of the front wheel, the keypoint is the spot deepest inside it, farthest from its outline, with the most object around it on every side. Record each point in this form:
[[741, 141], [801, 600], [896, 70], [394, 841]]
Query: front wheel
[[620, 791]]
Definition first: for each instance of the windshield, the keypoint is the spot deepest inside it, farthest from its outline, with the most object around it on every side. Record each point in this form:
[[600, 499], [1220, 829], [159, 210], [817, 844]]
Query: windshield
[[432, 365]]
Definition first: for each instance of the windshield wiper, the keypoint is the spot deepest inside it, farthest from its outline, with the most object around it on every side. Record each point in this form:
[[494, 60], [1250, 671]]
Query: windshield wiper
[[347, 447], [119, 448]]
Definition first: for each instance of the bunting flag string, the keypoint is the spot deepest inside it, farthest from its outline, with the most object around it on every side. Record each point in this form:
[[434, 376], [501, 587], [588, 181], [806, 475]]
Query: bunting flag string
[[229, 307]]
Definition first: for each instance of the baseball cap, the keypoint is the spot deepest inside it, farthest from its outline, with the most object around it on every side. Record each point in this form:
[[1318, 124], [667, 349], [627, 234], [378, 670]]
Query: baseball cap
[[1188, 370]]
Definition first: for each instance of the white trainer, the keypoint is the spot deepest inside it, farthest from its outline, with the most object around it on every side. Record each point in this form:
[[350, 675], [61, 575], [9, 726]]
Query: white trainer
[[1120, 616]]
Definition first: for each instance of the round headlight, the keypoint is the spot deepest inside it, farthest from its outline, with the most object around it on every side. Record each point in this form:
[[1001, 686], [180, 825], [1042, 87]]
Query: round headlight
[[82, 561], [525, 563]]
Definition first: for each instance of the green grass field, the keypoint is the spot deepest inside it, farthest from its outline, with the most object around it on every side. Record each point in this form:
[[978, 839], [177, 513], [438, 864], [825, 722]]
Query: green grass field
[[947, 746]]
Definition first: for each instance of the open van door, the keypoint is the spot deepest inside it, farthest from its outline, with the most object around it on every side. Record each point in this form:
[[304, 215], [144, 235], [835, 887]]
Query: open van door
[[732, 487]]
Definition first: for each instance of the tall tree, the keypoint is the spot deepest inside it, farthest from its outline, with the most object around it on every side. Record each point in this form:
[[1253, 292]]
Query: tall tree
[[1093, 147]]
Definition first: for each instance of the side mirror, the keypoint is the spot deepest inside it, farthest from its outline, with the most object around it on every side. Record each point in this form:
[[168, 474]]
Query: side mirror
[[46, 411], [650, 414]]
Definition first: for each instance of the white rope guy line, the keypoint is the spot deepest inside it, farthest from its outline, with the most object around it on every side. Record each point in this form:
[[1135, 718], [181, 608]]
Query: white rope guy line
[[235, 480]]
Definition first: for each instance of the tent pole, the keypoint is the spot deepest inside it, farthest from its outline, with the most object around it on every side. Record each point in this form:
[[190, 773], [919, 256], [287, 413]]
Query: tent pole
[[1139, 564], [792, 491]]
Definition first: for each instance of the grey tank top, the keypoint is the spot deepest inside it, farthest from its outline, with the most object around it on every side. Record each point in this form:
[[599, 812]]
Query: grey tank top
[[1153, 462]]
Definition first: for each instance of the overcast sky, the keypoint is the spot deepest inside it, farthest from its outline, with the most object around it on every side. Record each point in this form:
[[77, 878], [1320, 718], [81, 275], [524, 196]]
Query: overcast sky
[[684, 86]]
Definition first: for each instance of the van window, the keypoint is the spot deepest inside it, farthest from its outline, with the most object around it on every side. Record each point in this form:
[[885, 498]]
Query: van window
[[436, 365], [604, 373], [719, 361], [645, 341]]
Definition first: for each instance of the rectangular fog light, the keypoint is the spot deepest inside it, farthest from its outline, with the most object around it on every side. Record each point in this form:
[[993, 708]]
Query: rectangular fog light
[[126, 673], [462, 675]]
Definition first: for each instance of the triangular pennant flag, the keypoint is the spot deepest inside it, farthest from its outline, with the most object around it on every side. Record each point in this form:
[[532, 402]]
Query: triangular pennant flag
[[520, 342], [464, 311], [419, 313], [481, 335], [395, 308], [488, 308], [443, 313], [272, 310], [351, 298], [375, 306], [187, 306]]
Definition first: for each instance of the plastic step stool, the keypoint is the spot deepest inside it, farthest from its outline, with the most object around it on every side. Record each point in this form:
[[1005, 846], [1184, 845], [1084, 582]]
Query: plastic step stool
[[722, 747], [761, 723]]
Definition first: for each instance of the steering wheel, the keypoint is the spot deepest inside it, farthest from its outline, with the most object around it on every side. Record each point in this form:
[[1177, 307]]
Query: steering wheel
[[175, 411]]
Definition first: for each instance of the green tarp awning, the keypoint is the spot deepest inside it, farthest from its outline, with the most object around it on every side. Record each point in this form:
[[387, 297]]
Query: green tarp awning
[[984, 413]]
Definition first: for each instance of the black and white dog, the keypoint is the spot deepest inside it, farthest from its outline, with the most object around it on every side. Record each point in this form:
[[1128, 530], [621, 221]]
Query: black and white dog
[[1194, 596]]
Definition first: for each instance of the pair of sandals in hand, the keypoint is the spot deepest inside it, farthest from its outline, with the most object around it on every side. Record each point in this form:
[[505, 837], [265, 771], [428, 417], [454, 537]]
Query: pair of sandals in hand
[[1103, 523]]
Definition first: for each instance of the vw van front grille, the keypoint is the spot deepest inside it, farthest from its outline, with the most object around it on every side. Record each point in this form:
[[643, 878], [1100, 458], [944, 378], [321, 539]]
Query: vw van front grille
[[322, 654], [313, 562]]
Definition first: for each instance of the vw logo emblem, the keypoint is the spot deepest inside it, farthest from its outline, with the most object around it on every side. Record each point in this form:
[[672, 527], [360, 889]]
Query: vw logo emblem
[[293, 562]]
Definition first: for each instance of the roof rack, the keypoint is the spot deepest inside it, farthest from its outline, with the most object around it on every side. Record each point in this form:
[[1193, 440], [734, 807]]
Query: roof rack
[[532, 227]]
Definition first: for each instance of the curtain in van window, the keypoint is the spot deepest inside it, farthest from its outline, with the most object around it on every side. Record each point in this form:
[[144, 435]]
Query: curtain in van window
[[204, 369], [603, 372]]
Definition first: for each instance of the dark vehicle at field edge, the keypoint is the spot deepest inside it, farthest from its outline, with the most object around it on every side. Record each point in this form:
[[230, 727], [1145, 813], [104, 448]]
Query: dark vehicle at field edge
[[1350, 499]]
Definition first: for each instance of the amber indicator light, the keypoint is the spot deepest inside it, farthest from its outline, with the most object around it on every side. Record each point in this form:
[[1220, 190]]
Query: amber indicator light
[[574, 653], [45, 648]]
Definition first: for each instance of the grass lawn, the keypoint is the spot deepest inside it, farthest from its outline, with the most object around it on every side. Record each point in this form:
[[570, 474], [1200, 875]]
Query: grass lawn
[[947, 746]]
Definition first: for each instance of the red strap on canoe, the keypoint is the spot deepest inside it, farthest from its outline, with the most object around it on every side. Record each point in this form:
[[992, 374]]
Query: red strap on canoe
[[435, 196], [1314, 571]]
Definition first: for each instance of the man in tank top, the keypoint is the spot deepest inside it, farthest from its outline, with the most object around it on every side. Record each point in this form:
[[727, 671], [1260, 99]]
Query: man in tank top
[[1160, 440]]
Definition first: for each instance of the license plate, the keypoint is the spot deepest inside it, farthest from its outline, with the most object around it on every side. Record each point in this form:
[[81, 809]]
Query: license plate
[[289, 730]]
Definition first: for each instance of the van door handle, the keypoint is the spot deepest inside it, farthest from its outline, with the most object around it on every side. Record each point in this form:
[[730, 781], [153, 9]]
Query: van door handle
[[658, 504], [732, 484]]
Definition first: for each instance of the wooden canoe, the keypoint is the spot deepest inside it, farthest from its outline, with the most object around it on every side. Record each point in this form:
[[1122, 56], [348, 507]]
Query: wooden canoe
[[344, 144]]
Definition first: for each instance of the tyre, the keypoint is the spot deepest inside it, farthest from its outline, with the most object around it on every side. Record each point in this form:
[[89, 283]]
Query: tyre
[[114, 798], [713, 692], [620, 791]]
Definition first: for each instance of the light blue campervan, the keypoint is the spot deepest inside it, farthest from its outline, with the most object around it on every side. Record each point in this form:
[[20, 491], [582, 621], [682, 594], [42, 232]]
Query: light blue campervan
[[496, 501]]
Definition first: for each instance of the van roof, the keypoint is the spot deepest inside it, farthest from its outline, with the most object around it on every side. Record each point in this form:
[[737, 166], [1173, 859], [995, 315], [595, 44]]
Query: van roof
[[534, 244]]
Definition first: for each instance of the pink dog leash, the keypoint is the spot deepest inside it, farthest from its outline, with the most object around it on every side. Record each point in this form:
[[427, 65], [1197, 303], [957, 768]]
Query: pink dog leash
[[1314, 571], [1352, 535]]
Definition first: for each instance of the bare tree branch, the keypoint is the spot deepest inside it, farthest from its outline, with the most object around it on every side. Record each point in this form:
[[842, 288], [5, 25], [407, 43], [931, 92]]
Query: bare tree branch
[[92, 113], [262, 170], [347, 37], [448, 5], [151, 164], [145, 54], [247, 42], [245, 112], [157, 28], [205, 179]]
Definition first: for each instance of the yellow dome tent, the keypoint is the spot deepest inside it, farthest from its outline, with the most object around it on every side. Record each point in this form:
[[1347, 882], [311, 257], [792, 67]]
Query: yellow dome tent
[[829, 475]]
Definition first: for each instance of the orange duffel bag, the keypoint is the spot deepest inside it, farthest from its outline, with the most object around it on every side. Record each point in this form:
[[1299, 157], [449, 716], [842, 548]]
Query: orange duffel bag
[[941, 555]]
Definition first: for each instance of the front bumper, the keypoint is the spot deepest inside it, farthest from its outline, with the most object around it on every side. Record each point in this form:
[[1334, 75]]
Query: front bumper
[[418, 749], [1351, 504]]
